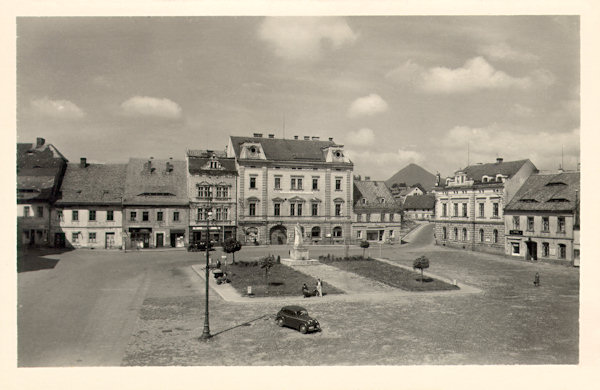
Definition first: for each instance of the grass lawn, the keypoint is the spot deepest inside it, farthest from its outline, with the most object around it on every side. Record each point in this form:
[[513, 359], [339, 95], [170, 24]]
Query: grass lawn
[[391, 275], [283, 281]]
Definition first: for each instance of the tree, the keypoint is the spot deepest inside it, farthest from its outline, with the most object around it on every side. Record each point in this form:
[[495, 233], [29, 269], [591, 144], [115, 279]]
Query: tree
[[231, 245], [421, 263], [267, 263], [364, 244]]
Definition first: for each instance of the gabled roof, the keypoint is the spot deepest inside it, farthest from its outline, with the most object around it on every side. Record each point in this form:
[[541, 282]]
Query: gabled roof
[[39, 171], [198, 160], [46, 156], [419, 202], [373, 192], [155, 182], [93, 184], [278, 149], [547, 192], [505, 168]]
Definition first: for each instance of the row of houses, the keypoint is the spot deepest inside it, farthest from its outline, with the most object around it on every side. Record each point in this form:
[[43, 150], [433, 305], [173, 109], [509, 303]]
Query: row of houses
[[256, 190]]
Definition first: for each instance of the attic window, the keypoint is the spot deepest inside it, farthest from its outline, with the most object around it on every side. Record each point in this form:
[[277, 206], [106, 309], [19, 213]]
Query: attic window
[[529, 200], [364, 201], [558, 200], [556, 183], [27, 190], [381, 200], [156, 194], [338, 154]]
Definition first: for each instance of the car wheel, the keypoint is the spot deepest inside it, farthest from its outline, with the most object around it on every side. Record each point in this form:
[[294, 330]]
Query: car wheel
[[280, 321], [303, 329]]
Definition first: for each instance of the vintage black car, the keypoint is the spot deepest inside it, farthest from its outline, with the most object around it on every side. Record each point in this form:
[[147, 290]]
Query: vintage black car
[[297, 317]]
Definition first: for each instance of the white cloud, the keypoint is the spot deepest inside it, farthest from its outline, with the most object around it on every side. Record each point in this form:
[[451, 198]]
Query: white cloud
[[303, 38], [62, 109], [382, 165], [363, 137], [150, 106], [487, 143], [367, 105], [503, 52], [475, 74]]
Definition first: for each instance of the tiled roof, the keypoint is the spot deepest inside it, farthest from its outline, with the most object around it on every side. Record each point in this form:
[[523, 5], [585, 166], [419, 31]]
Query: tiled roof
[[373, 192], [198, 162], [94, 184], [505, 168], [39, 171], [46, 156], [278, 149], [35, 187], [419, 202], [547, 192], [153, 182]]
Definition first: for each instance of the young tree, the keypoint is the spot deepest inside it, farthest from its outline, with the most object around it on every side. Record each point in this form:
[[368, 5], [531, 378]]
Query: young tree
[[231, 245], [421, 263], [364, 244], [267, 263]]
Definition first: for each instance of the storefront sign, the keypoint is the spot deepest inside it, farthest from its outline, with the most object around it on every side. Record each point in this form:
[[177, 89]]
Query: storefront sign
[[515, 232]]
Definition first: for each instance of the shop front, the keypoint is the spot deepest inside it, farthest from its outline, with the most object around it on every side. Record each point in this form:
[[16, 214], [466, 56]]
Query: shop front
[[140, 237]]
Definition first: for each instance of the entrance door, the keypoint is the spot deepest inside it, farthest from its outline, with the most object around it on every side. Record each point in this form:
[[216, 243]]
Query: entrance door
[[531, 250], [160, 238], [59, 240], [109, 241], [278, 235]]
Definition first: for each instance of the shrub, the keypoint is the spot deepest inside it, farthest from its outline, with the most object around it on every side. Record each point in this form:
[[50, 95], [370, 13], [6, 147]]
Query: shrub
[[364, 244], [231, 245], [421, 263]]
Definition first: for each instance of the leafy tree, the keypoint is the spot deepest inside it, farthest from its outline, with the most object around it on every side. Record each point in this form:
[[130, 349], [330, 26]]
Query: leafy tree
[[364, 244], [421, 263], [231, 245], [267, 263]]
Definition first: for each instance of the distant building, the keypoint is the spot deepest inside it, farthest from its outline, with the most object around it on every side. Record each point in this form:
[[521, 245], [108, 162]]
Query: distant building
[[542, 220], [88, 213], [469, 206], [156, 204], [401, 193], [284, 182], [212, 186], [419, 207], [40, 170], [377, 215]]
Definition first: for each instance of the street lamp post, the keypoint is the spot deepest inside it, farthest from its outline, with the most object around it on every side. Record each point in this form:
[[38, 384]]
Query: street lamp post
[[206, 332]]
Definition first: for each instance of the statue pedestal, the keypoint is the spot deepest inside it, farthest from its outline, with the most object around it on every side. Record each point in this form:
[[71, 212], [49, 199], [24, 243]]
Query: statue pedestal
[[299, 256]]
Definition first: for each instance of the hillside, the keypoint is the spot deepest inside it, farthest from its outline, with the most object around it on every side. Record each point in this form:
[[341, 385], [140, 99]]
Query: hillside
[[413, 174]]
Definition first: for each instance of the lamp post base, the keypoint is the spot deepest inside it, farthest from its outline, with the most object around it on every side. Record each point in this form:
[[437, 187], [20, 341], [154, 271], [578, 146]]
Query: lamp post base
[[205, 337]]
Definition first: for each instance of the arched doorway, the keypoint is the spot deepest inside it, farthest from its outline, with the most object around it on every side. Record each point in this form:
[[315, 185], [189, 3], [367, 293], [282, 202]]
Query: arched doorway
[[278, 235]]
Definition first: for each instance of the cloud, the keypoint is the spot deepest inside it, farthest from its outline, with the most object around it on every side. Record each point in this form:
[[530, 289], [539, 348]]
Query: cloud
[[382, 165], [486, 143], [367, 105], [150, 106], [521, 111], [61, 109], [362, 137], [503, 52], [476, 74], [303, 38]]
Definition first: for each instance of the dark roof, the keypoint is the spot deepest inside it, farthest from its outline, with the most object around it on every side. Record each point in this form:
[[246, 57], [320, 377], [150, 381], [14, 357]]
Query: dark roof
[[373, 192], [155, 182], [198, 160], [94, 184], [411, 175], [547, 192], [505, 168], [39, 172], [419, 202], [278, 149], [46, 156], [35, 187]]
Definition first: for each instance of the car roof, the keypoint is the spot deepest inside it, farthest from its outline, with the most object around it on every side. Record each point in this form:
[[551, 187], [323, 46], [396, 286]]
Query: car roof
[[293, 308]]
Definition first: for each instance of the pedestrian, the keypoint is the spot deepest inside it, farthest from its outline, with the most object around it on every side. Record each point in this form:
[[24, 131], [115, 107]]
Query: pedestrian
[[536, 280], [319, 288], [305, 292]]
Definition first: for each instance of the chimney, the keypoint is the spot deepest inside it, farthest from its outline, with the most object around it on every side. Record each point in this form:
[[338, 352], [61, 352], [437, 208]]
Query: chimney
[[82, 162], [331, 138], [257, 135], [39, 142], [499, 160], [271, 135], [295, 137], [307, 138], [315, 138]]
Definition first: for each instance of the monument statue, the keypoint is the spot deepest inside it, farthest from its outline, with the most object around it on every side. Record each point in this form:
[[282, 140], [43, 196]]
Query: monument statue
[[297, 236]]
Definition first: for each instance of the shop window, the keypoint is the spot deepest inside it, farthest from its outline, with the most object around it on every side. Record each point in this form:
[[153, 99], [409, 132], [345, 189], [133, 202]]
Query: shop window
[[516, 248]]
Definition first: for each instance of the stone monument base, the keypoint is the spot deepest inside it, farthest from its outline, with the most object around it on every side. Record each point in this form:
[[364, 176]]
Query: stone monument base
[[300, 262], [299, 256]]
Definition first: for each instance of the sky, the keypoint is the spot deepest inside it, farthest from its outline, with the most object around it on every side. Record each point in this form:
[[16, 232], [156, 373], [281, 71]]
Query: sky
[[438, 91]]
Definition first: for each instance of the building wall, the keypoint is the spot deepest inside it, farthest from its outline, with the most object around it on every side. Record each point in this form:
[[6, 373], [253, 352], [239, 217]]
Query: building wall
[[166, 227], [77, 231], [33, 227], [419, 214]]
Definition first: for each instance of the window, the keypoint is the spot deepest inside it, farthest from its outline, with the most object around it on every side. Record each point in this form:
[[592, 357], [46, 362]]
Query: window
[[299, 183], [218, 214], [382, 217], [75, 237], [464, 234], [201, 214], [530, 224], [75, 215], [391, 234], [481, 210], [516, 248], [456, 209], [277, 209], [252, 182], [444, 233], [545, 224], [176, 216], [338, 209], [495, 236], [456, 234], [293, 183], [252, 209], [358, 217], [444, 210], [315, 209], [496, 210], [464, 210], [145, 216], [225, 213], [159, 216], [110, 215], [481, 235], [40, 211], [132, 216], [278, 183], [516, 222], [299, 208], [561, 224], [391, 217], [204, 191], [59, 215], [26, 211], [222, 192], [92, 215], [315, 183], [337, 231], [92, 237], [359, 234], [545, 249], [338, 184], [562, 251], [315, 232], [368, 215]]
